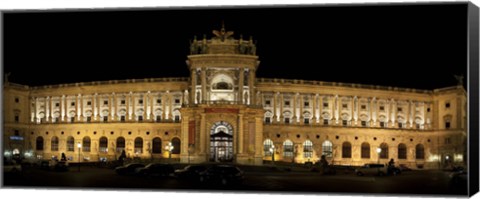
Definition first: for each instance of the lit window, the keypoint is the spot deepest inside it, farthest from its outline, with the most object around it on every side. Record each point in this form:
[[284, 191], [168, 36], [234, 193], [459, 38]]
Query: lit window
[[267, 145], [288, 149], [308, 149], [327, 148]]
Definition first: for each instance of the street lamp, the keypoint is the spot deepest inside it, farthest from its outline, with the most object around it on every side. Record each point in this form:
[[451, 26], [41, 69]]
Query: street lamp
[[169, 148], [379, 150], [272, 151], [79, 146]]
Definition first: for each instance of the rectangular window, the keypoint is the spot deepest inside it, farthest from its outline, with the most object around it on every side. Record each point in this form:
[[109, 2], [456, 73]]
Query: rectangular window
[[17, 133], [17, 100], [363, 107], [140, 101], [267, 102], [17, 119], [159, 118], [344, 105], [105, 102], [418, 126], [382, 124], [344, 122], [447, 105], [89, 119], [325, 122], [306, 104], [382, 108], [325, 105], [122, 102], [177, 101], [399, 109], [73, 104], [89, 103], [57, 120], [105, 118], [364, 123], [447, 125], [122, 118], [159, 101], [287, 103], [267, 120], [177, 118], [287, 120], [400, 125], [72, 119], [428, 110], [306, 121], [57, 104], [140, 118]]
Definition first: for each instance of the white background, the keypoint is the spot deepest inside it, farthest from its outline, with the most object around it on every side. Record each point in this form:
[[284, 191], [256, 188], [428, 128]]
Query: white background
[[118, 194]]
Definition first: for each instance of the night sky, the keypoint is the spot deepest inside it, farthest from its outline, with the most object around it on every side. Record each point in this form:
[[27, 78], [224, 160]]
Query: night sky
[[403, 45]]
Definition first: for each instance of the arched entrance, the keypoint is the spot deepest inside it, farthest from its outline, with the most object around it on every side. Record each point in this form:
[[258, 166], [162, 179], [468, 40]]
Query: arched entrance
[[221, 142]]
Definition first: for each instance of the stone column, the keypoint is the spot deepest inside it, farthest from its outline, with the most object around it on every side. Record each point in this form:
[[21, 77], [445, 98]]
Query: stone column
[[293, 104], [47, 108], [193, 92], [241, 77], [281, 103], [302, 104], [145, 111], [79, 108], [240, 134], [275, 108], [314, 109], [164, 106], [251, 84], [203, 136], [203, 76]]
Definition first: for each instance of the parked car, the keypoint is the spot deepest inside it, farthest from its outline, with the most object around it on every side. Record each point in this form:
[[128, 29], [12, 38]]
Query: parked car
[[404, 168], [223, 174], [190, 171], [128, 169], [155, 170], [11, 167], [372, 169], [459, 178], [61, 166]]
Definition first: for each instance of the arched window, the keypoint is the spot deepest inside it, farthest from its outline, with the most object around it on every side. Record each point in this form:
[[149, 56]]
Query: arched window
[[54, 144], [70, 143], [308, 149], [402, 151], [384, 152], [176, 146], [419, 152], [346, 150], [267, 145], [288, 148], [39, 143], [86, 144], [365, 150], [138, 145], [103, 144], [327, 148], [157, 145], [120, 144]]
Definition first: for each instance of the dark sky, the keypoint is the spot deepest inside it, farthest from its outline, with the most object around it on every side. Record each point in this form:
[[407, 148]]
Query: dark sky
[[416, 46]]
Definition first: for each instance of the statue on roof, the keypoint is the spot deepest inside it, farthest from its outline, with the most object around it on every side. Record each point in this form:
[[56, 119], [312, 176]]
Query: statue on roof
[[222, 34], [459, 79]]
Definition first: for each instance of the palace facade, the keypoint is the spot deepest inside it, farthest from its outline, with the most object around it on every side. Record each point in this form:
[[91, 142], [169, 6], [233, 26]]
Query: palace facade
[[223, 112]]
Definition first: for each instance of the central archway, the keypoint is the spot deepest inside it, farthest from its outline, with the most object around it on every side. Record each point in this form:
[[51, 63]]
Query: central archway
[[221, 142]]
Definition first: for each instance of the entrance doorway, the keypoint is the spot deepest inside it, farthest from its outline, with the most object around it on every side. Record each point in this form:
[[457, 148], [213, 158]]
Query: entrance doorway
[[221, 142]]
